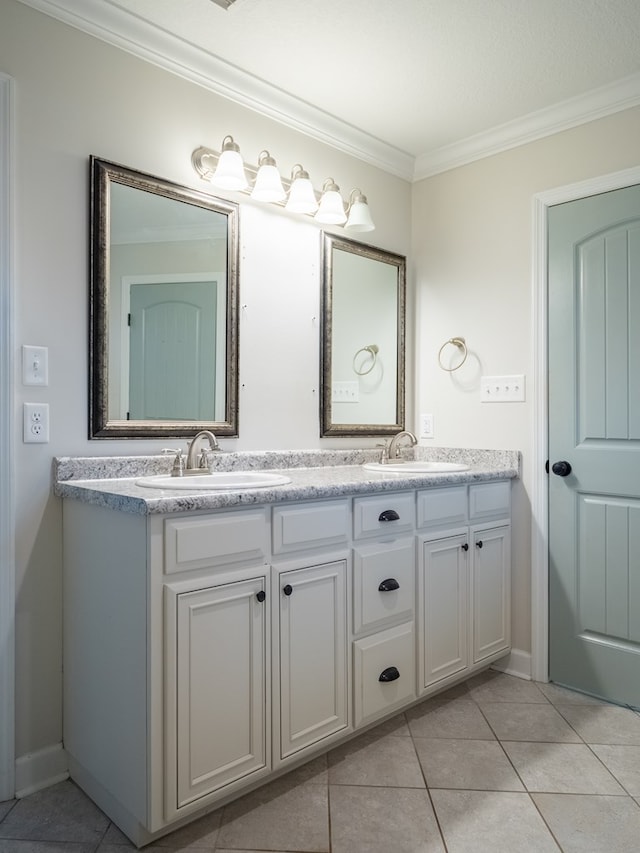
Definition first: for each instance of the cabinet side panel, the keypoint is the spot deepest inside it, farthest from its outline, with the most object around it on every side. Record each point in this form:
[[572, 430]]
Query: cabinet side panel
[[105, 649]]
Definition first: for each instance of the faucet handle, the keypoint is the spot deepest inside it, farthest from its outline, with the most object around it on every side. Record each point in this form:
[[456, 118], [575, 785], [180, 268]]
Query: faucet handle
[[178, 463], [384, 456]]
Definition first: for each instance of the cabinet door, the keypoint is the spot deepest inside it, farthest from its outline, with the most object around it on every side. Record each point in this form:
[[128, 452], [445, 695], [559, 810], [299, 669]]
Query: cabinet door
[[491, 591], [445, 608], [312, 661], [217, 666]]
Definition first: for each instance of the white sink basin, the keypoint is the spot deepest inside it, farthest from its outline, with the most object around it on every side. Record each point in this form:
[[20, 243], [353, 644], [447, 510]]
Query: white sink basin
[[229, 480], [416, 467]]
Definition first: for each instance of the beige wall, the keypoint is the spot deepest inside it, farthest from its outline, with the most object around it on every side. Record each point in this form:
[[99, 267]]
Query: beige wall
[[472, 252], [76, 96]]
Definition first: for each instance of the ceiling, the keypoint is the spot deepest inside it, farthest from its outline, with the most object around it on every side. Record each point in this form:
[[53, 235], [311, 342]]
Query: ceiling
[[414, 86]]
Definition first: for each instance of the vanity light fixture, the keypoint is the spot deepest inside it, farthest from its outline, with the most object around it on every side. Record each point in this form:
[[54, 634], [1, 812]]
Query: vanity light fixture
[[268, 185], [359, 213], [226, 169], [229, 173], [302, 196], [331, 210]]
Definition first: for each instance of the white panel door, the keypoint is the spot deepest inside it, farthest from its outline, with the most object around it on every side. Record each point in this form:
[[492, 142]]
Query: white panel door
[[594, 427], [217, 678], [312, 655], [490, 549], [445, 608]]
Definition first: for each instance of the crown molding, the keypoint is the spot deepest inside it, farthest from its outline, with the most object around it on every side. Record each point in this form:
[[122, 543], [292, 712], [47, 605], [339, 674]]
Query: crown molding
[[139, 38], [115, 26], [599, 103]]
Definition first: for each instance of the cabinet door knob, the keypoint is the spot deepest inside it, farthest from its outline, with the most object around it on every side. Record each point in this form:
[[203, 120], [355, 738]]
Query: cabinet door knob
[[261, 595], [389, 515], [465, 546], [389, 585], [288, 589], [479, 543], [389, 674]]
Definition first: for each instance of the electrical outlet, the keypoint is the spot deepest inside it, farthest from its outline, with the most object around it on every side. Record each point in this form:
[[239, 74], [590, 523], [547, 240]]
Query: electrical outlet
[[502, 389], [35, 423], [426, 426]]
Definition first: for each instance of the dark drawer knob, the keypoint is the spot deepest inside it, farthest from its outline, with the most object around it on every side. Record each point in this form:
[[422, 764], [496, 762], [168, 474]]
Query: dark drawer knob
[[562, 469], [288, 589], [479, 543], [389, 515], [391, 673], [465, 547], [389, 585], [261, 595]]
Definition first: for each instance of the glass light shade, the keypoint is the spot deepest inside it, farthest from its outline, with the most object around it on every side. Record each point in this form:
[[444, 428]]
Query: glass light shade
[[331, 210], [302, 198], [268, 185], [360, 217], [229, 173]]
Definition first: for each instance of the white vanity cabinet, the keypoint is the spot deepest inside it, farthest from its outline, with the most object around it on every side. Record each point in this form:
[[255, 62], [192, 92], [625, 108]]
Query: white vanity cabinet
[[206, 650], [464, 571]]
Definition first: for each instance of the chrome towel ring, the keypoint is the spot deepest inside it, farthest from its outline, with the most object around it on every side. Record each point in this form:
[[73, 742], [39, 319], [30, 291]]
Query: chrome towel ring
[[461, 345], [369, 361]]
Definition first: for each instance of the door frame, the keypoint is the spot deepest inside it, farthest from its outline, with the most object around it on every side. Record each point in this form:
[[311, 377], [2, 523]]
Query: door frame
[[540, 485], [7, 501]]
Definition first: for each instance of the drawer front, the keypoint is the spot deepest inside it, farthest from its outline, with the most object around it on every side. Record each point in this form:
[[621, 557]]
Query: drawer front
[[385, 514], [296, 527], [388, 655], [216, 540], [442, 507], [383, 583], [490, 500]]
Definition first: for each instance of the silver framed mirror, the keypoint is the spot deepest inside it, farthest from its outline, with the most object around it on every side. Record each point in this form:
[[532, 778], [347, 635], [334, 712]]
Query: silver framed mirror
[[362, 358], [163, 326]]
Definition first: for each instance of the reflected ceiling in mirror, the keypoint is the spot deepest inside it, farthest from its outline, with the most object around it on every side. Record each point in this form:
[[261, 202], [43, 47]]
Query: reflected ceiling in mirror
[[164, 313], [363, 339]]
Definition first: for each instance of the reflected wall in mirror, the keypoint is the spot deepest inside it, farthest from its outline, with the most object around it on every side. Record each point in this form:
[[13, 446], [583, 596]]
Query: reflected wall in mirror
[[362, 342], [164, 313]]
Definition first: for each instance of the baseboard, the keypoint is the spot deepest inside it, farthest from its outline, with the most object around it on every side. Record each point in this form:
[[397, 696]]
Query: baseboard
[[37, 770], [517, 663]]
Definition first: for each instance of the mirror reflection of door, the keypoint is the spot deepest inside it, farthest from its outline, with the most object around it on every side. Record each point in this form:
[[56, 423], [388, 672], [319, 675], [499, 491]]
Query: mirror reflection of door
[[172, 343]]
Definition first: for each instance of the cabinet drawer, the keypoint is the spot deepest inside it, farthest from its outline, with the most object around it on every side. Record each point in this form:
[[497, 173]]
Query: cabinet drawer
[[383, 583], [215, 540], [442, 507], [488, 500], [310, 525], [385, 514], [388, 654]]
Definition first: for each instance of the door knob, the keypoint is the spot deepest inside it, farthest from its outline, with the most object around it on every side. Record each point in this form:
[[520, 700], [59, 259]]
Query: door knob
[[261, 595], [562, 469], [288, 589]]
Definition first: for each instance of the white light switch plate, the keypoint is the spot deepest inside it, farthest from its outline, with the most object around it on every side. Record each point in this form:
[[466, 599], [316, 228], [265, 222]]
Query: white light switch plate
[[345, 392], [35, 365], [502, 389]]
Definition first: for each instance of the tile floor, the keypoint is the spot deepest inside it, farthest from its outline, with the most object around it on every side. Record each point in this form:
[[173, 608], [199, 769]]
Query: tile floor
[[496, 765]]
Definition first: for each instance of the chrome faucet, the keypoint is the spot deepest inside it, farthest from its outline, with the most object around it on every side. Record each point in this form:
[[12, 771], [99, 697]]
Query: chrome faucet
[[197, 455], [393, 450]]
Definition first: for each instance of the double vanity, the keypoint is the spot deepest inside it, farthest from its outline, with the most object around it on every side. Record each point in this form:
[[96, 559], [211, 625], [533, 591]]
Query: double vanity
[[217, 635]]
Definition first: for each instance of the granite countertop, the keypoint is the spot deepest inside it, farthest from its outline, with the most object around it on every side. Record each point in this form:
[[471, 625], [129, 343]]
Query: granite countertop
[[315, 474]]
